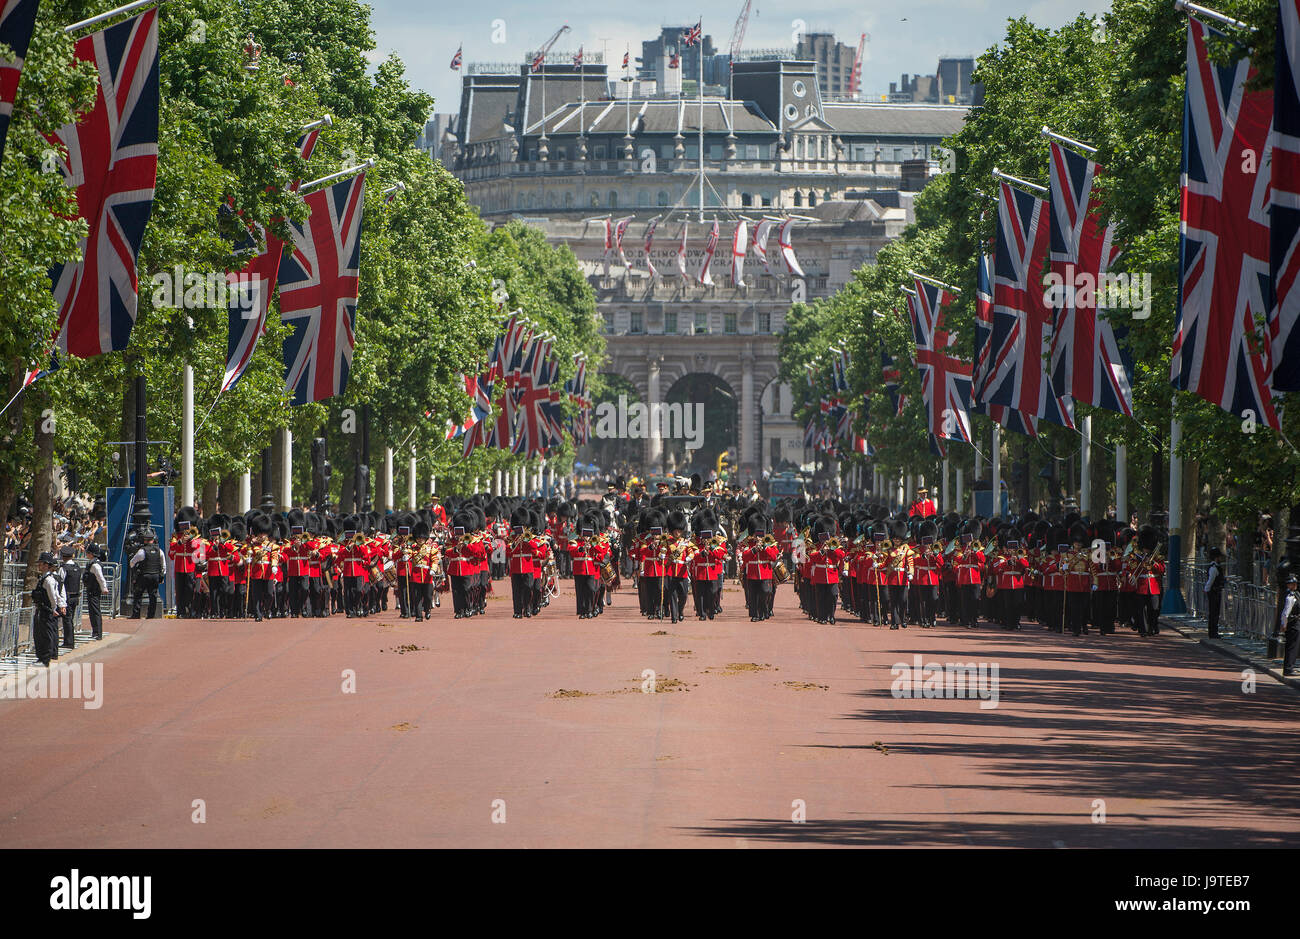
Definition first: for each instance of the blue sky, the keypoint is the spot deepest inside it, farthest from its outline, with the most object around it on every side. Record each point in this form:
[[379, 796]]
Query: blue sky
[[903, 37]]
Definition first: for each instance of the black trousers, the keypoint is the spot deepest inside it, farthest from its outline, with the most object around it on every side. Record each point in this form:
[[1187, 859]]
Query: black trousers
[[675, 596], [1012, 601], [459, 593], [898, 604], [521, 592], [1104, 607], [1076, 611], [1150, 606], [826, 598], [654, 595], [1214, 609], [220, 593], [95, 615], [44, 635], [1292, 646], [759, 594], [584, 593], [927, 596], [145, 583], [353, 596], [969, 599], [70, 620], [298, 594]]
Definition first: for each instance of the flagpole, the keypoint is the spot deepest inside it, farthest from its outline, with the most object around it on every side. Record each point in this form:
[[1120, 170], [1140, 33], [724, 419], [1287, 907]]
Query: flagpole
[[1182, 6], [699, 53], [187, 435], [933, 280], [1173, 602], [1121, 484], [995, 509], [1085, 478], [129, 8], [351, 171], [1016, 180], [1069, 142], [325, 121]]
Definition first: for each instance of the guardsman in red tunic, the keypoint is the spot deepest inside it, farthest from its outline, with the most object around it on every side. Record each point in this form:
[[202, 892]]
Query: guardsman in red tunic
[[220, 549], [260, 580], [352, 558], [706, 569], [968, 562], [587, 555], [1009, 568], [1106, 566], [923, 505], [294, 560], [180, 551], [1147, 570], [825, 560], [760, 553], [678, 553], [420, 555], [651, 557], [238, 566], [927, 568], [519, 557]]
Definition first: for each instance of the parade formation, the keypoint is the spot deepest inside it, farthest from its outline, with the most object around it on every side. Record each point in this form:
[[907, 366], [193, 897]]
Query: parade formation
[[846, 561]]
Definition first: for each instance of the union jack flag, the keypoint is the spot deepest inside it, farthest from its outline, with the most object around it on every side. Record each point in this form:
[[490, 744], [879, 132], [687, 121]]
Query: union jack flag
[[1285, 215], [576, 387], [577, 59], [456, 59], [538, 61], [1224, 293], [17, 20], [705, 277], [1087, 361], [479, 393], [531, 393], [1013, 374], [625, 55], [318, 292], [250, 289], [112, 159], [1009, 418], [891, 376], [945, 379], [691, 36]]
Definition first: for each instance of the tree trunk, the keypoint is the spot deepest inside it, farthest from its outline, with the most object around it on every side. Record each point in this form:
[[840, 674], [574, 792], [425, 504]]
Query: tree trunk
[[210, 498], [42, 492]]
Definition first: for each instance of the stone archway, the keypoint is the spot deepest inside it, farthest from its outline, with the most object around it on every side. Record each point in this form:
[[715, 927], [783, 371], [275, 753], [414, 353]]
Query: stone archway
[[709, 417]]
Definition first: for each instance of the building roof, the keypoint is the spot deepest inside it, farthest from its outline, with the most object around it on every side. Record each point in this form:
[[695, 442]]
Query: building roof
[[907, 120]]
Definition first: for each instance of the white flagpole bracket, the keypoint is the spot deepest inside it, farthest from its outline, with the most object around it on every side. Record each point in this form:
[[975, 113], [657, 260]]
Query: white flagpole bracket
[[326, 121], [1068, 141], [933, 280], [350, 171], [1017, 181], [1182, 6], [129, 8]]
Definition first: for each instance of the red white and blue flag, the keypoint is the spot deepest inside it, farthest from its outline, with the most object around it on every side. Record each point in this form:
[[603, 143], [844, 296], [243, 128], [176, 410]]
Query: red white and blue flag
[[1013, 374], [1225, 291], [17, 21], [250, 289], [457, 59], [945, 379], [1009, 418], [692, 35], [318, 292], [1088, 362], [890, 376], [649, 243], [112, 160], [1285, 214], [619, 231]]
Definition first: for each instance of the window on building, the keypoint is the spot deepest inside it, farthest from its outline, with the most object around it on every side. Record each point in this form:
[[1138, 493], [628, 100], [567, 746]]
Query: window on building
[[561, 153], [812, 199], [670, 323], [715, 151], [746, 200], [595, 198], [729, 322], [764, 322], [666, 151], [608, 317], [751, 152], [643, 198], [662, 198], [550, 200], [599, 151], [519, 200], [767, 201], [613, 199], [568, 200], [701, 322], [692, 151], [798, 199], [636, 326]]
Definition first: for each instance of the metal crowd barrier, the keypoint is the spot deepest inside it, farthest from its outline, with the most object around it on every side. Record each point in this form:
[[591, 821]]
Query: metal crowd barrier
[[1248, 609]]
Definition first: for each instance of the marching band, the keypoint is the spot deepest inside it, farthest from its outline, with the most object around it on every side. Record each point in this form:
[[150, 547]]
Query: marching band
[[679, 549]]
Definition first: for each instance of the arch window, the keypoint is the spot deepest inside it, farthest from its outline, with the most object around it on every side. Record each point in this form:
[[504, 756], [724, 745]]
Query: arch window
[[613, 199]]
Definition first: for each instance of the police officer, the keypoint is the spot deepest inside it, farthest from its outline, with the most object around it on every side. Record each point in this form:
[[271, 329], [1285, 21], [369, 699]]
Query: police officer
[[93, 587], [70, 574], [1214, 591], [47, 599], [150, 567], [1289, 619]]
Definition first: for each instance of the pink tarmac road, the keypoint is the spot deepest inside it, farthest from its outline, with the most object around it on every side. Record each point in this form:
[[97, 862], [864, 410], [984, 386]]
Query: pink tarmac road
[[464, 740]]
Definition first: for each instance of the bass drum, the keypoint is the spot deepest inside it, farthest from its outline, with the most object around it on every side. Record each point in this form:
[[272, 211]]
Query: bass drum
[[390, 574]]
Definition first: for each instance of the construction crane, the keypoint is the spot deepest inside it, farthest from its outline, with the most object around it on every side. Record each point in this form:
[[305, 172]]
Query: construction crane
[[855, 76], [738, 33], [540, 58]]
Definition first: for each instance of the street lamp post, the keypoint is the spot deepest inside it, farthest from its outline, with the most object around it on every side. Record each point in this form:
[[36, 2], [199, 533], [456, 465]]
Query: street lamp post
[[142, 517]]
